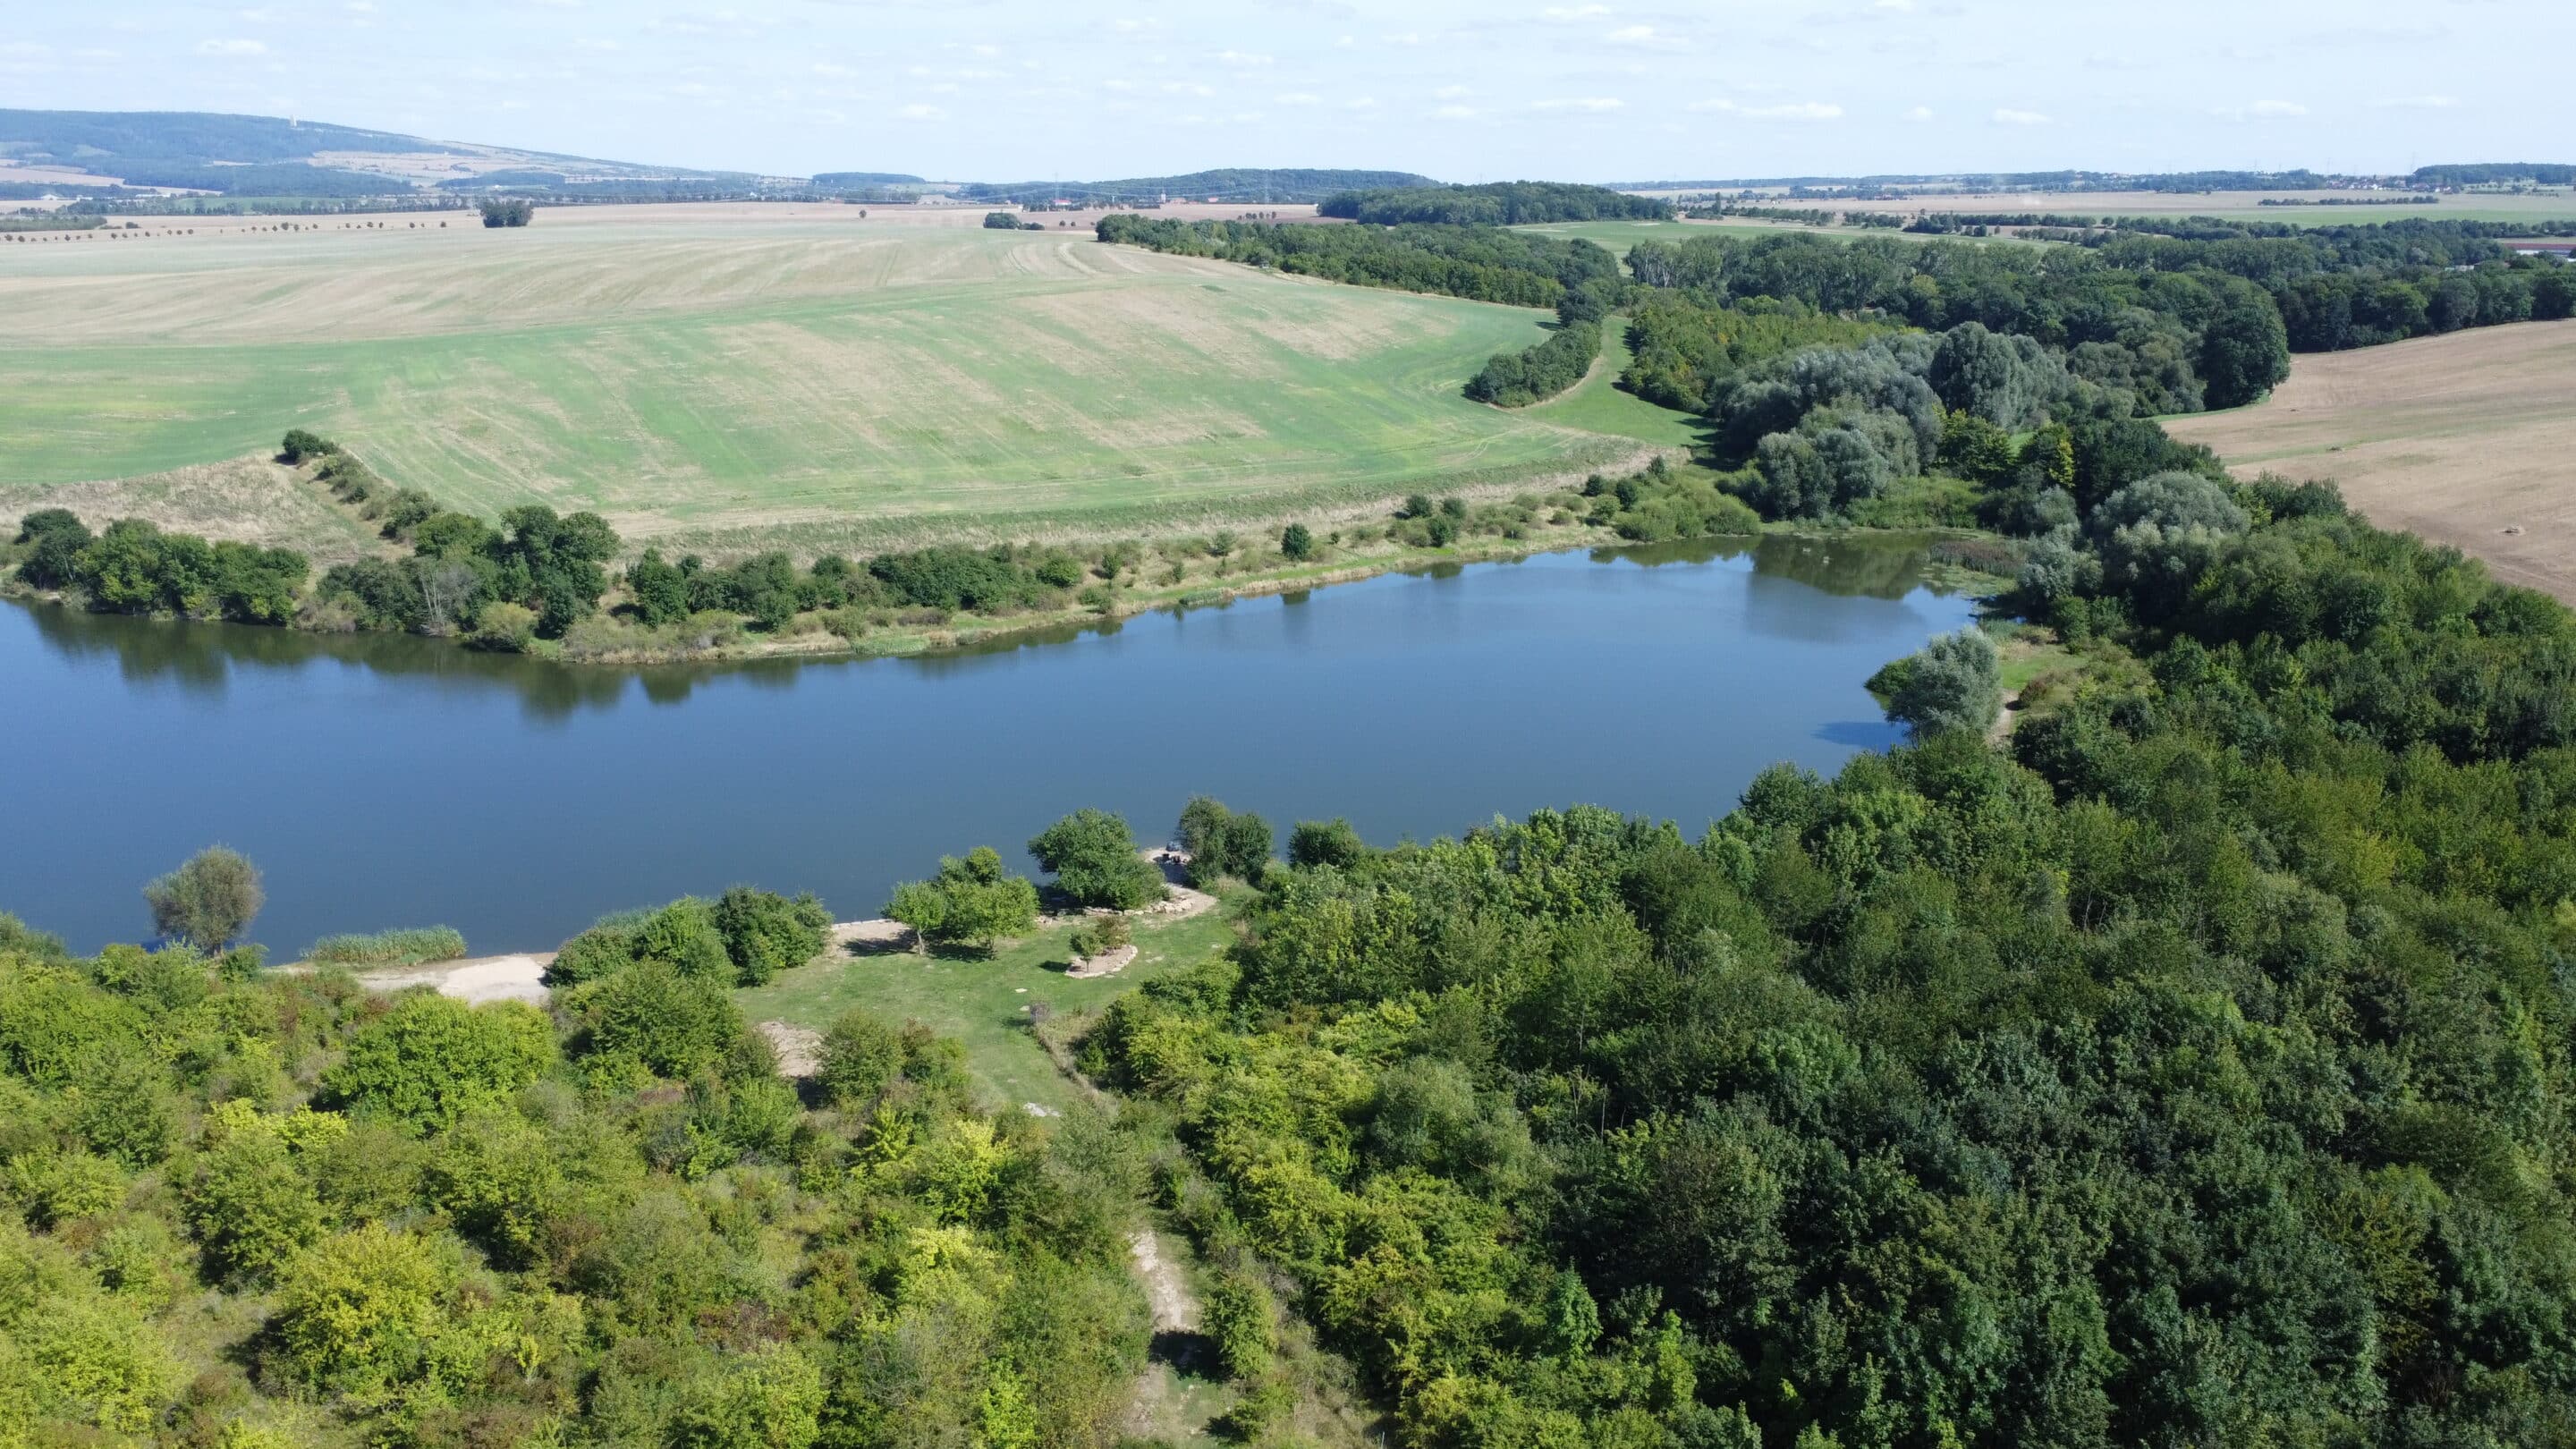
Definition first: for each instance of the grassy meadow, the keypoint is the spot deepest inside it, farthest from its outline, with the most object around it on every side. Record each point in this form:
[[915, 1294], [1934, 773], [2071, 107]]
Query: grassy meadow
[[984, 1002], [734, 381]]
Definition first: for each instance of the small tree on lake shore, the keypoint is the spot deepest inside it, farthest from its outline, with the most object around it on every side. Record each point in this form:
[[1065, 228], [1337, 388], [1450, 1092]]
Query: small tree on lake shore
[[1093, 856], [208, 901], [973, 903], [1953, 683]]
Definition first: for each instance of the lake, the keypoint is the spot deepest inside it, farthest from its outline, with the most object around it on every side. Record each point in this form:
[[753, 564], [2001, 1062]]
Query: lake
[[387, 781]]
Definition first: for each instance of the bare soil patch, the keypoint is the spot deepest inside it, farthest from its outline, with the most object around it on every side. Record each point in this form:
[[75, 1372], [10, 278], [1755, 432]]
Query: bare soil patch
[[800, 1048], [2468, 440]]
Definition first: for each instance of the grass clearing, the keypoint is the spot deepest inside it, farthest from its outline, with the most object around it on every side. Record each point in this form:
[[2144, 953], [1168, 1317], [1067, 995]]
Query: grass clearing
[[1596, 404], [2463, 439], [738, 382], [984, 1003]]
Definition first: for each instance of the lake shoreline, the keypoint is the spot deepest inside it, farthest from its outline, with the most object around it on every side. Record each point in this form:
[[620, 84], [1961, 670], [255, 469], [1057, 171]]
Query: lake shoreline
[[810, 642]]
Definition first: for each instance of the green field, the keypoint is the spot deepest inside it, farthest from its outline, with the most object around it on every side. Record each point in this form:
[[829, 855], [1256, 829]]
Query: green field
[[984, 1003], [736, 381], [1597, 405]]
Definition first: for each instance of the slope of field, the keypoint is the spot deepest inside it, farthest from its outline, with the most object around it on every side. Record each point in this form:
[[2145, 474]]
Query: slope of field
[[2469, 440], [731, 378]]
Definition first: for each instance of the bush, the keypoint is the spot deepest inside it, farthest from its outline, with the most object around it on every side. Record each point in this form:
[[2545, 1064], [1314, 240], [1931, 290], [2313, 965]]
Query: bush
[[1953, 683], [1097, 936], [1517, 379], [1222, 843], [1325, 842], [208, 901], [766, 933], [54, 538], [300, 445], [972, 903], [652, 1015], [407, 947], [1092, 854], [503, 628], [1296, 543], [1240, 1318], [860, 1055], [360, 1310], [433, 1058]]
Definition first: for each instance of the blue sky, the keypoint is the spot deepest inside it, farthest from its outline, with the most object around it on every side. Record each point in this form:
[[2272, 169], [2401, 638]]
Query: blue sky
[[1595, 90]]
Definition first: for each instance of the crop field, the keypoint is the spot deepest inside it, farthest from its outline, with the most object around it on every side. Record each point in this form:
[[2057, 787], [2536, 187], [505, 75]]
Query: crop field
[[2464, 439], [728, 378], [2233, 205]]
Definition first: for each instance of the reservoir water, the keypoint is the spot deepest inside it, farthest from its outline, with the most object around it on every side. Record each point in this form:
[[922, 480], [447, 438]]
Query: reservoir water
[[386, 781]]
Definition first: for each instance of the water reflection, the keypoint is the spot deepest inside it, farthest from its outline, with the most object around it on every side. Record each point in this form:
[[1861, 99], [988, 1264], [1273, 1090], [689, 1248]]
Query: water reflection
[[382, 780]]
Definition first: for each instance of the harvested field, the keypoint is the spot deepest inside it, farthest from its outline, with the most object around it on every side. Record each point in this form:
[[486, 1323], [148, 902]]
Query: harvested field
[[2468, 440], [727, 379]]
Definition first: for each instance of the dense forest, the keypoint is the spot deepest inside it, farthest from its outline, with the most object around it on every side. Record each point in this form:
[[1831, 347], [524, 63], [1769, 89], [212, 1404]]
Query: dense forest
[[1500, 203], [1484, 264], [246, 1209]]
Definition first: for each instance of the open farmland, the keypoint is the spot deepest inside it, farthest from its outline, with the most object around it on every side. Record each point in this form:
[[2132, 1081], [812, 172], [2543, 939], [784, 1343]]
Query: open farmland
[[2465, 439], [728, 378]]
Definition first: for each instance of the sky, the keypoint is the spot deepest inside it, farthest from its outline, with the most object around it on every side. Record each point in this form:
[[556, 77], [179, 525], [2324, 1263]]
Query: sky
[[1576, 90]]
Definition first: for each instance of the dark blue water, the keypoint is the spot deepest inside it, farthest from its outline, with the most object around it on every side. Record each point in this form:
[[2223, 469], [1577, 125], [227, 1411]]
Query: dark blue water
[[394, 782]]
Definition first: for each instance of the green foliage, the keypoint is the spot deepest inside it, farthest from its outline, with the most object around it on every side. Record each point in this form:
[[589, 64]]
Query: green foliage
[[1499, 203], [1296, 543], [1097, 936], [766, 933], [54, 539], [653, 1016], [405, 947], [359, 1308], [135, 568], [1485, 264], [973, 903], [1326, 842], [860, 1057], [432, 1059], [1517, 379], [1681, 344], [658, 1266], [1222, 843], [1953, 683], [1093, 856], [208, 901]]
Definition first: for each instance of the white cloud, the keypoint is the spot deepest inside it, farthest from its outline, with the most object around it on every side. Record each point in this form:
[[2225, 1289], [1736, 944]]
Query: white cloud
[[1187, 88], [1919, 114], [1632, 35], [1241, 58], [1784, 111], [231, 47], [1898, 7], [922, 113], [1298, 98], [2264, 111], [827, 68], [1451, 93], [1582, 103], [261, 16], [2417, 103], [2007, 116], [1455, 113], [1364, 103], [1575, 12], [1118, 84], [1410, 37], [360, 7]]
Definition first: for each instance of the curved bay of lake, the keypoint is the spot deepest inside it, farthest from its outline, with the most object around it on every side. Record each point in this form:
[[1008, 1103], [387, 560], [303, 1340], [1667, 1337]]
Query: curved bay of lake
[[386, 781]]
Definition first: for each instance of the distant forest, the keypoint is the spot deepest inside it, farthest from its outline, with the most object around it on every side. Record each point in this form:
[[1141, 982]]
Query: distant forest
[[1501, 203], [1285, 188]]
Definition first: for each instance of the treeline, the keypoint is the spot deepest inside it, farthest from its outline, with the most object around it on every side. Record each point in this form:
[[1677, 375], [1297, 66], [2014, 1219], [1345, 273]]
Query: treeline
[[534, 577], [1534, 374], [2190, 1072], [1681, 342], [1500, 203], [1485, 264], [2493, 173], [2131, 325], [243, 1209]]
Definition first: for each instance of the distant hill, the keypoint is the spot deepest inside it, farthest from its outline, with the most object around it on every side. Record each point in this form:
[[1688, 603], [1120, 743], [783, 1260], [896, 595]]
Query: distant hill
[[843, 180], [269, 156], [1237, 184], [1977, 181], [1497, 203]]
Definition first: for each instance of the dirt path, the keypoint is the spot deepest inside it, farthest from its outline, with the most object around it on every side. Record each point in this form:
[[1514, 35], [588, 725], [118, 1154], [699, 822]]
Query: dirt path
[[1175, 1309]]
